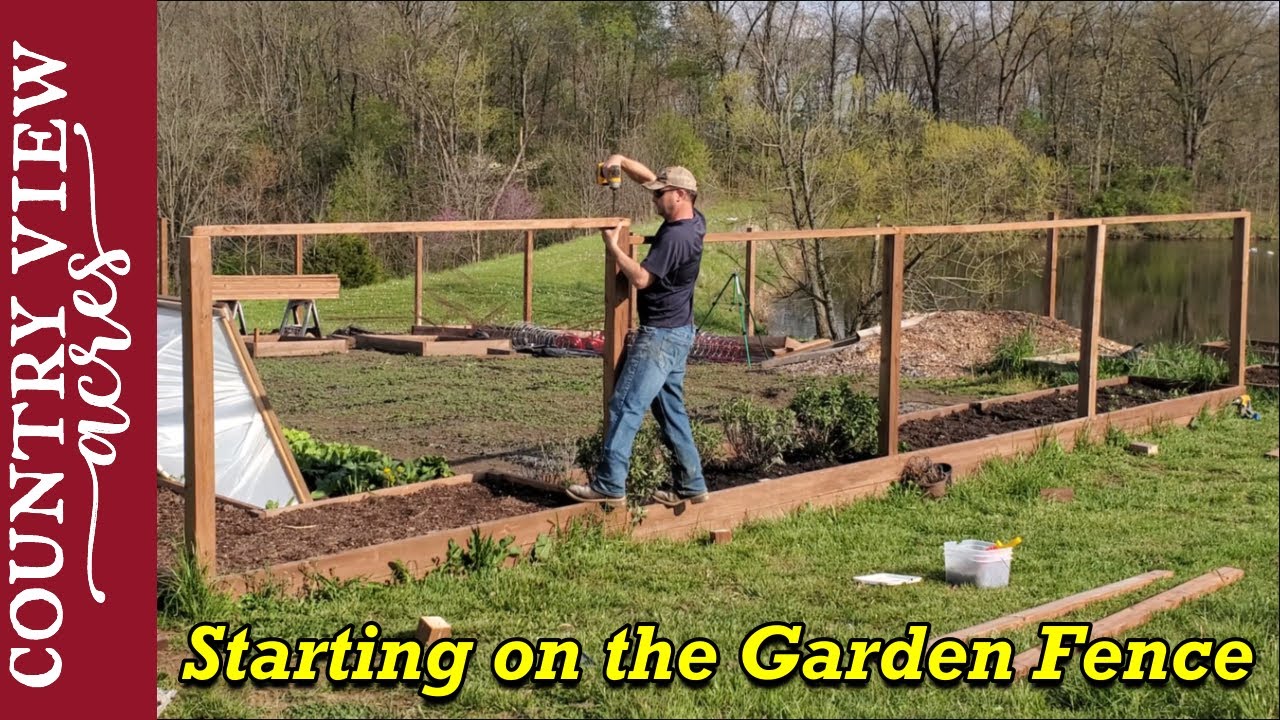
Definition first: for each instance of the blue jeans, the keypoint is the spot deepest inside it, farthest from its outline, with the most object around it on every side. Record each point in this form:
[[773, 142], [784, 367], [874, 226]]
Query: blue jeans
[[652, 377]]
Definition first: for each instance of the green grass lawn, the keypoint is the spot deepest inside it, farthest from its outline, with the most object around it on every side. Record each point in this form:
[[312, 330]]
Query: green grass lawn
[[568, 282], [1208, 499]]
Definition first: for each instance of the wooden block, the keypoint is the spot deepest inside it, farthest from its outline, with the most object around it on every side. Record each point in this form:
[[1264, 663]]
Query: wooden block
[[1058, 494], [432, 628], [1141, 448], [1274, 454], [721, 537]]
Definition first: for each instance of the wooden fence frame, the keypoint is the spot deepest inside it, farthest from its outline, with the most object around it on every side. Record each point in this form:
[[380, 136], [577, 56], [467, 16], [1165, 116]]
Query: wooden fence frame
[[197, 303], [619, 302], [893, 240]]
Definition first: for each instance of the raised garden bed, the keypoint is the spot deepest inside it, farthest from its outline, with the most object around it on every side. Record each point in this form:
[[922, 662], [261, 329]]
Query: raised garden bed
[[987, 419], [364, 535], [1262, 376], [249, 538]]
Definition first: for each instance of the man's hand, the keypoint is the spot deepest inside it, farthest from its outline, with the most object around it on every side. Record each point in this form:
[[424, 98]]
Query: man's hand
[[632, 168], [634, 271], [610, 236]]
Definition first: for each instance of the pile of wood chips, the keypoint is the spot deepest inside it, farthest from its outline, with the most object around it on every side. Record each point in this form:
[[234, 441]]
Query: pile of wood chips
[[951, 344]]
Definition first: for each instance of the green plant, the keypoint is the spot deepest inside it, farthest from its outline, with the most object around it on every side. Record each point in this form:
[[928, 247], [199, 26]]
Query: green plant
[[758, 434], [652, 462], [1013, 352], [836, 421], [348, 257], [183, 590], [332, 469], [1116, 437], [482, 554]]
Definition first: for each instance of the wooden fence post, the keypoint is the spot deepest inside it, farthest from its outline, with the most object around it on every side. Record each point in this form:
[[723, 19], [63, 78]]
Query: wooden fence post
[[417, 280], [1239, 317], [890, 341], [617, 318], [1091, 321], [528, 276], [1051, 270], [751, 285], [197, 402], [164, 256], [297, 255]]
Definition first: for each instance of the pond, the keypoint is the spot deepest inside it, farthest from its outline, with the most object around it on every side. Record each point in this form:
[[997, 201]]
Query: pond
[[1166, 290]]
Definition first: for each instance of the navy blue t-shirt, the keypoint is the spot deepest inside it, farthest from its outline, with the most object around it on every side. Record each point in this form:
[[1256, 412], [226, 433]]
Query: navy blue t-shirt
[[673, 260]]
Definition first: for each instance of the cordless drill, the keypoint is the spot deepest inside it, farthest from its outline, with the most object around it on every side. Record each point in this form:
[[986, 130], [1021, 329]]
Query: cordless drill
[[612, 176]]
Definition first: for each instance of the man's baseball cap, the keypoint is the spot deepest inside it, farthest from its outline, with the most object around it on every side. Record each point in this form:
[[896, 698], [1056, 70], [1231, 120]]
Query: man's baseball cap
[[676, 177]]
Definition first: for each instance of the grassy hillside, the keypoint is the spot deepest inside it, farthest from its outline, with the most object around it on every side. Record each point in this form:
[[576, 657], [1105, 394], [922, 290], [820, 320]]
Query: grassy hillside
[[568, 281]]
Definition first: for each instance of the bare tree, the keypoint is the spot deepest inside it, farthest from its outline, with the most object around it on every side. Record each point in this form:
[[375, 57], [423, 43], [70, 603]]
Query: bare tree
[[1204, 50]]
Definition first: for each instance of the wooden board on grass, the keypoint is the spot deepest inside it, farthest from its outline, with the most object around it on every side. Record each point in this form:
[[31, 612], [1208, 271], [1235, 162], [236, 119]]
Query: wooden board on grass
[[427, 345]]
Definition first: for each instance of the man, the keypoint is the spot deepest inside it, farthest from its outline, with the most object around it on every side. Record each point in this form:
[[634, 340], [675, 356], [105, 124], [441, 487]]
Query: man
[[652, 377]]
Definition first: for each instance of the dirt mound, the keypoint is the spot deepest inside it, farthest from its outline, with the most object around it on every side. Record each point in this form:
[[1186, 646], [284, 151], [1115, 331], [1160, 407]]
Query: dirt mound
[[951, 344]]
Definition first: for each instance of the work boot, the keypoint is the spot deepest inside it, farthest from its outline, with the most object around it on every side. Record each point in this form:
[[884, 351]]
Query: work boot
[[671, 499], [584, 493]]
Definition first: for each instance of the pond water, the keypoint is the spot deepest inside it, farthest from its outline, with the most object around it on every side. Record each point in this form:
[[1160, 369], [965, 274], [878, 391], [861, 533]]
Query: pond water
[[1173, 291]]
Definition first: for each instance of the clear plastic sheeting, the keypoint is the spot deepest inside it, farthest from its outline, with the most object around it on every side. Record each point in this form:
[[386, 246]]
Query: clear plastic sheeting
[[247, 464]]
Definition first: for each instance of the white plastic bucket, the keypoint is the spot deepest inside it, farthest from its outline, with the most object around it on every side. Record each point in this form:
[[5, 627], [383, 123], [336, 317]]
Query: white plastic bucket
[[969, 562]]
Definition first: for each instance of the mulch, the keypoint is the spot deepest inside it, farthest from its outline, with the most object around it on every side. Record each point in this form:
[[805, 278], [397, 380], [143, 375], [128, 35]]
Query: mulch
[[246, 542], [952, 344]]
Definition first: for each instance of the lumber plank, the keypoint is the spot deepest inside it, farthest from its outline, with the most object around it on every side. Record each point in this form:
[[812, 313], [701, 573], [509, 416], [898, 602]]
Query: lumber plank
[[1055, 609], [1238, 322], [617, 317], [1051, 270], [265, 348], [275, 287], [427, 345], [1091, 300], [890, 342], [409, 489], [1136, 615], [269, 417], [446, 226], [199, 525]]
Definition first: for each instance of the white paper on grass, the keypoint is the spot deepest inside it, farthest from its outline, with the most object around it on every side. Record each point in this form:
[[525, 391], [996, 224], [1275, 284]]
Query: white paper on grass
[[247, 466]]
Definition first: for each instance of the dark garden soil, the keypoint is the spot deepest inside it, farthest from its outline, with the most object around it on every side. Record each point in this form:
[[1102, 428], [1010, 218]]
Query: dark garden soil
[[1265, 376], [247, 542], [1004, 418]]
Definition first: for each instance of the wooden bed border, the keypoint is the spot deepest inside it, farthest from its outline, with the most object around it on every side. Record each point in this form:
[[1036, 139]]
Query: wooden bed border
[[727, 508]]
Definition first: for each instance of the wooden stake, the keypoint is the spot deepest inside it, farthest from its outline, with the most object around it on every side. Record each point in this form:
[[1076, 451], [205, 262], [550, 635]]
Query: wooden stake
[[1091, 319], [417, 280], [890, 341], [1051, 270], [297, 255], [432, 628], [197, 407], [528, 276], [1055, 609], [1239, 317], [1135, 615]]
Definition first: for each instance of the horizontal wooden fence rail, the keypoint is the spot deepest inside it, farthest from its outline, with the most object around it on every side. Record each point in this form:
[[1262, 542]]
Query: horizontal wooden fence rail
[[444, 226]]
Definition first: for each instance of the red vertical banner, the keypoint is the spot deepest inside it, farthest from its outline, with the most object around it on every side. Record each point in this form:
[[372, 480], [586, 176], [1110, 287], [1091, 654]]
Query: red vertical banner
[[79, 276]]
